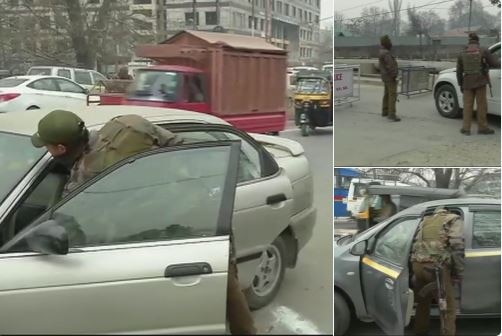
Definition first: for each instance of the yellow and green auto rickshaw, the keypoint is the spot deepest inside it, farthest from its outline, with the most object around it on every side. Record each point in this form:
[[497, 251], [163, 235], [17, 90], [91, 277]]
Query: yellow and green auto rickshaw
[[313, 100]]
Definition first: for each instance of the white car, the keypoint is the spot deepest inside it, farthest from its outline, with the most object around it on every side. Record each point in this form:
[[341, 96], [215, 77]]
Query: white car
[[84, 77], [449, 99], [148, 238], [35, 92]]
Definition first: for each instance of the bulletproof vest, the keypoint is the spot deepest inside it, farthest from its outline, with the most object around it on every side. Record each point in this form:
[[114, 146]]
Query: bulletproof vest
[[472, 60], [432, 241]]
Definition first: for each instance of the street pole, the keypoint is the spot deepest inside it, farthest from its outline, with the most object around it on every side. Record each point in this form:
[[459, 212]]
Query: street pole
[[470, 14], [194, 5], [252, 17], [217, 12], [268, 34]]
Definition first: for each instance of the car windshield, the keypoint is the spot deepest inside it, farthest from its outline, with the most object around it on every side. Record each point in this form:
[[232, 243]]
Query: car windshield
[[17, 156], [160, 85], [11, 82], [312, 85], [39, 71]]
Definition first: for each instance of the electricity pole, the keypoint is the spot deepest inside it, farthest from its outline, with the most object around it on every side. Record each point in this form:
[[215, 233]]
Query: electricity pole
[[194, 11], [252, 17], [268, 20], [217, 12], [470, 14]]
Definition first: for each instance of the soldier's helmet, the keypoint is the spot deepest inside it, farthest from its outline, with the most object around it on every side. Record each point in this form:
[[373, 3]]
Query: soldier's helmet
[[59, 127]]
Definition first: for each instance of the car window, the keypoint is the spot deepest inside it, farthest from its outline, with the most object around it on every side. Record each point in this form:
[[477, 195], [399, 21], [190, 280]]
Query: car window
[[249, 159], [64, 73], [140, 202], [393, 243], [83, 77], [67, 86], [46, 84], [98, 77], [11, 82], [486, 229], [40, 71]]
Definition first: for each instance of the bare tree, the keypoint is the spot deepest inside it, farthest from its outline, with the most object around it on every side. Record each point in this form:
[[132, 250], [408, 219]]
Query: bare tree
[[459, 15], [395, 8], [423, 24]]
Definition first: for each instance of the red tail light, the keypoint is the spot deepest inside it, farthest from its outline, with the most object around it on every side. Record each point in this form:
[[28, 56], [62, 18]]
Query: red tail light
[[8, 96]]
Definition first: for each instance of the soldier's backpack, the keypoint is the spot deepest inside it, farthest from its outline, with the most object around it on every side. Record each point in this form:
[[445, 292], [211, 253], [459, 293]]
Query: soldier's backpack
[[472, 60], [125, 136]]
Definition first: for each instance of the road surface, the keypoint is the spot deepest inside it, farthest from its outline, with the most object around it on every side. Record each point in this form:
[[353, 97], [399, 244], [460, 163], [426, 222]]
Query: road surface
[[304, 304], [422, 138]]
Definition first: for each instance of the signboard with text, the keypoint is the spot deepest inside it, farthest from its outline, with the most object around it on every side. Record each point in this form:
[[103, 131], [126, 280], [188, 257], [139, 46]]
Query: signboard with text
[[343, 80]]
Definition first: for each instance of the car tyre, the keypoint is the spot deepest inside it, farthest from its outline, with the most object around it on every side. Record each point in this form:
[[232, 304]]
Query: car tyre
[[33, 107], [269, 276], [341, 315], [447, 102]]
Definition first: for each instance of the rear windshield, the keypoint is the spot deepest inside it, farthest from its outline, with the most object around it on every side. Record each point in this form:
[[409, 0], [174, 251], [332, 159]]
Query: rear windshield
[[11, 82], [39, 71]]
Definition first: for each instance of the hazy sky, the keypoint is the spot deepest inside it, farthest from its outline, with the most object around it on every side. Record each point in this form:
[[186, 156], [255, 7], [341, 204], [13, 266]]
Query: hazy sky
[[327, 9]]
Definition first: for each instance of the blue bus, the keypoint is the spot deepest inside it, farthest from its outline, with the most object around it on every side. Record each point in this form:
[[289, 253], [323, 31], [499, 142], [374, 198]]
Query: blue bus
[[342, 179]]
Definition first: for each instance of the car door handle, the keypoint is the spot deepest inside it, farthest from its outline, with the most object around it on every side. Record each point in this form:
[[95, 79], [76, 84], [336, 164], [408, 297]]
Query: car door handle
[[389, 283], [274, 199], [180, 270]]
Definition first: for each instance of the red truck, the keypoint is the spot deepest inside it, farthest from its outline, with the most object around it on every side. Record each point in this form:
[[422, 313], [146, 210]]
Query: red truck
[[240, 79]]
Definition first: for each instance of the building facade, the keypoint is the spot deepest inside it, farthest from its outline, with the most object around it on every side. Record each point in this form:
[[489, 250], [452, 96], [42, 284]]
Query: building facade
[[293, 25]]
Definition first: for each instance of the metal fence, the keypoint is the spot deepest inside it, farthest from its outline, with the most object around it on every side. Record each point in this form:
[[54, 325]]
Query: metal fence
[[416, 80], [346, 84]]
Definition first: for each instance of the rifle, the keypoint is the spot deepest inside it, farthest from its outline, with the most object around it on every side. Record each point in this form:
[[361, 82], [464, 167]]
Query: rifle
[[441, 293]]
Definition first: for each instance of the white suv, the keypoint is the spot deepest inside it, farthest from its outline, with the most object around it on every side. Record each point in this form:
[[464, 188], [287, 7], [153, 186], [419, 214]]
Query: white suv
[[85, 77], [449, 99]]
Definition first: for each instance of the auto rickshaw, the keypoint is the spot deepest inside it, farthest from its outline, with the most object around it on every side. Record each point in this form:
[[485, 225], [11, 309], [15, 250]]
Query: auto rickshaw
[[313, 100]]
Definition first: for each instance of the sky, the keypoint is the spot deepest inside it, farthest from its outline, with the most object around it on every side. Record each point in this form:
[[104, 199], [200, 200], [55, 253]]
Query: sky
[[327, 9]]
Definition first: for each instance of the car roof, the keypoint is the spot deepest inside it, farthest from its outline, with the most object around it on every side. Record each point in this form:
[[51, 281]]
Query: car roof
[[26, 122], [376, 189], [421, 207]]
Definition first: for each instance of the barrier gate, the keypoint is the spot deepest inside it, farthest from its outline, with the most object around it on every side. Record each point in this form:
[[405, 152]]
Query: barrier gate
[[344, 90], [416, 80]]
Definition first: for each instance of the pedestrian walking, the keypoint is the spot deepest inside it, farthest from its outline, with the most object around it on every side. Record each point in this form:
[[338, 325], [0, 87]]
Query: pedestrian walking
[[388, 71]]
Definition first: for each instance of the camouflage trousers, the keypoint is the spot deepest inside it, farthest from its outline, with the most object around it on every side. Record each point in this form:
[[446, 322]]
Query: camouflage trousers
[[239, 316], [478, 95], [422, 315], [389, 99]]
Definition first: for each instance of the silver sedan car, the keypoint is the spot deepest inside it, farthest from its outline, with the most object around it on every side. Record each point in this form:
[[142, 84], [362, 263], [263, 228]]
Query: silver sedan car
[[372, 275], [143, 247]]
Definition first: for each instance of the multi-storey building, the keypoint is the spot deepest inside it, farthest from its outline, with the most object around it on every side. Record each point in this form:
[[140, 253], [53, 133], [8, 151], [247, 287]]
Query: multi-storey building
[[294, 24]]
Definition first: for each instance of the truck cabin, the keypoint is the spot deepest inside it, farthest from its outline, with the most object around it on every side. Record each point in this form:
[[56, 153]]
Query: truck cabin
[[170, 84]]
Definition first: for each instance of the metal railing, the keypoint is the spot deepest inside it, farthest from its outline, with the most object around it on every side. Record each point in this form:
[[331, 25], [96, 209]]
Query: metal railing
[[416, 80]]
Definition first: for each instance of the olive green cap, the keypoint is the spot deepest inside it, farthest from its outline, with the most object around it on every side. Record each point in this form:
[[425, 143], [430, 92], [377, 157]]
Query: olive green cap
[[58, 127], [384, 40]]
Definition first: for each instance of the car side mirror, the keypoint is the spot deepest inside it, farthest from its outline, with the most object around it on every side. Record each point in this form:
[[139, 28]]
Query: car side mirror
[[48, 238], [359, 249], [86, 91]]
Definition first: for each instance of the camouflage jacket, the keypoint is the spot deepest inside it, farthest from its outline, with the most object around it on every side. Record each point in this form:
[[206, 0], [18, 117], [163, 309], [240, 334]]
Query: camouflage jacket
[[440, 239], [387, 65], [474, 81]]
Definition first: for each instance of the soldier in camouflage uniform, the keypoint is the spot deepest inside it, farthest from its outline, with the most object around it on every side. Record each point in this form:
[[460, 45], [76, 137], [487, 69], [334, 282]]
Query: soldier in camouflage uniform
[[472, 76], [439, 241], [65, 136], [388, 71]]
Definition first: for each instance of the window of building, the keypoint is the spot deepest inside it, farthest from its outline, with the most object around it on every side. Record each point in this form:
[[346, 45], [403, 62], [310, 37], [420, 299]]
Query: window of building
[[293, 14], [145, 12], [211, 18], [93, 2], [142, 2], [189, 18], [286, 9], [310, 16], [45, 22], [279, 7]]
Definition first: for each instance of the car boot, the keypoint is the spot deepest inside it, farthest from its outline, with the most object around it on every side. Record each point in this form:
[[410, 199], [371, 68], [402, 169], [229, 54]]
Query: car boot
[[394, 118], [465, 132], [486, 131]]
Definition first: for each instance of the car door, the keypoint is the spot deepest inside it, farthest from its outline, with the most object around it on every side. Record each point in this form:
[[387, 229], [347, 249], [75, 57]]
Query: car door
[[264, 197], [385, 275], [481, 285], [44, 93], [149, 247], [75, 96], [83, 77], [494, 102]]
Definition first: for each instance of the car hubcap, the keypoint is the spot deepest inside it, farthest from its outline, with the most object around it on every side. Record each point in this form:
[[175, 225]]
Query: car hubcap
[[268, 271], [446, 101]]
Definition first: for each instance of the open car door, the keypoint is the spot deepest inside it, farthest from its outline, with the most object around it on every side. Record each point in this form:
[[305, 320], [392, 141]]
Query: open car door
[[141, 248], [385, 276]]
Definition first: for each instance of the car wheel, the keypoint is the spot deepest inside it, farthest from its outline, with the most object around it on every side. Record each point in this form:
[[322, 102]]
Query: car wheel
[[447, 102], [341, 315], [33, 107], [269, 275]]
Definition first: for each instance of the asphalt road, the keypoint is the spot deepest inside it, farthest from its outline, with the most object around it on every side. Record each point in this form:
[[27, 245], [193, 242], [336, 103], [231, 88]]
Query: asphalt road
[[480, 326], [422, 138], [304, 302]]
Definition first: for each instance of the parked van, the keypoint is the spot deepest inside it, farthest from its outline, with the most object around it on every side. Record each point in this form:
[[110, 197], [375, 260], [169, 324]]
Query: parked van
[[356, 192], [85, 77]]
